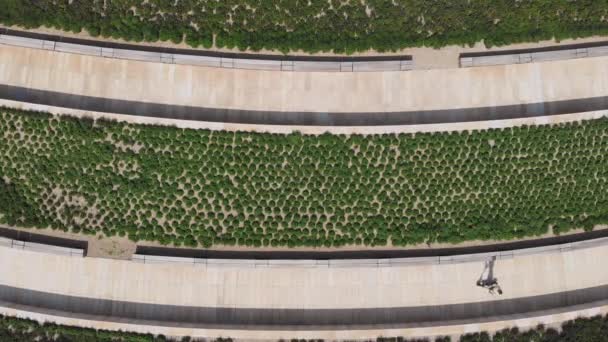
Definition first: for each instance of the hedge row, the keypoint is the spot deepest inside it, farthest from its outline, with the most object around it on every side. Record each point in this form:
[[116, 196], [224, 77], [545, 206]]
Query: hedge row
[[203, 188], [12, 329], [317, 25]]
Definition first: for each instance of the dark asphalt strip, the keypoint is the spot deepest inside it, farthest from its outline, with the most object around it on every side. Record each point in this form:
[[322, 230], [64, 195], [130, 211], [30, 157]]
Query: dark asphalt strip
[[298, 319], [183, 112]]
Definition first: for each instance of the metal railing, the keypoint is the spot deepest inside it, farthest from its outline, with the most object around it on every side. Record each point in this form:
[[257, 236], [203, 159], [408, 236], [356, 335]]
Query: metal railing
[[388, 262], [39, 247], [280, 63], [532, 56]]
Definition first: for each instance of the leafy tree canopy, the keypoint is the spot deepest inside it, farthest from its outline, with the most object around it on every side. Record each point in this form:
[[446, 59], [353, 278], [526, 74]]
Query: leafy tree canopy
[[316, 25], [203, 188]]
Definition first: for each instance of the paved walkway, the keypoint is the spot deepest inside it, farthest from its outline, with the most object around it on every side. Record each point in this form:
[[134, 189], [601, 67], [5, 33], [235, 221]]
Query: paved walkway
[[320, 92], [317, 288], [240, 297]]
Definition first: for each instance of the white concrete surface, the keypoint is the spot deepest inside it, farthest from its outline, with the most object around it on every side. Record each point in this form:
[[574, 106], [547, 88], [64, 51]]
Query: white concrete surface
[[294, 287], [303, 91], [241, 286]]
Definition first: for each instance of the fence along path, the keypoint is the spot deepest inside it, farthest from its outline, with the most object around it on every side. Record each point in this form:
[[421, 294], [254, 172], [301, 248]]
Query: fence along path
[[41, 247], [372, 262], [278, 63], [556, 53], [571, 243]]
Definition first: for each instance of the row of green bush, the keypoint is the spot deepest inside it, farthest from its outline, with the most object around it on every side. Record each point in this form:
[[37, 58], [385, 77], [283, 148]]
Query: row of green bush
[[203, 188], [317, 25], [14, 329], [594, 329]]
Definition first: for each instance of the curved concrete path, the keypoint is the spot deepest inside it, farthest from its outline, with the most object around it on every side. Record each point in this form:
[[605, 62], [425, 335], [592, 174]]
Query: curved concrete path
[[550, 318], [311, 301], [302, 92]]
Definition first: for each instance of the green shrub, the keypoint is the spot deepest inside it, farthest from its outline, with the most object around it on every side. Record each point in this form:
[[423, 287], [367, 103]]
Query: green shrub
[[594, 329], [204, 188], [317, 25]]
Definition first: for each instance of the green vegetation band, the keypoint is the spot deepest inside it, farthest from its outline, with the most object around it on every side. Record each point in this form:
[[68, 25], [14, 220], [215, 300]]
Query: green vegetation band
[[203, 188], [342, 26], [594, 329]]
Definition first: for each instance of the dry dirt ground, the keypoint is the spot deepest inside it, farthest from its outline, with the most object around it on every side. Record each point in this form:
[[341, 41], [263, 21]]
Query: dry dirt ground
[[111, 248], [98, 245]]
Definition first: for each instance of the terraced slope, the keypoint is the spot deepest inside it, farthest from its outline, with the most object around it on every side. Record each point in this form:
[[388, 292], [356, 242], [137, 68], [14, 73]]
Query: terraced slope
[[342, 26], [197, 187]]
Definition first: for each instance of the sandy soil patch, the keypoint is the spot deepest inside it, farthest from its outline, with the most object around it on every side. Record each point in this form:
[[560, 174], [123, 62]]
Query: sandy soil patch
[[111, 248], [98, 246]]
